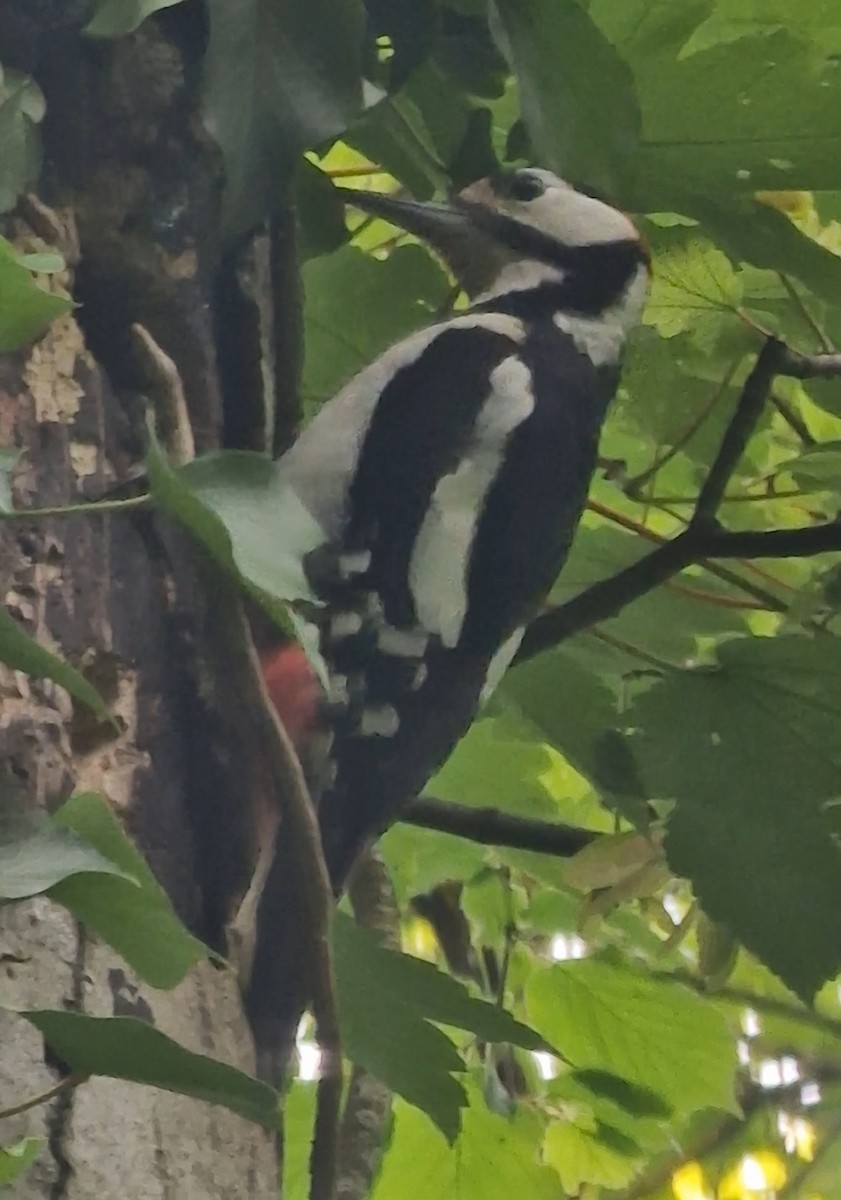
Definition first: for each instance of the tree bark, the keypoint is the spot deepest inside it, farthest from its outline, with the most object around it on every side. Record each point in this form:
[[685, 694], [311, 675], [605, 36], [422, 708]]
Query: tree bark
[[132, 187]]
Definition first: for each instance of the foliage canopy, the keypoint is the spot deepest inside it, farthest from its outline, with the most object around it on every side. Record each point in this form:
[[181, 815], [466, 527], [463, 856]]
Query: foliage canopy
[[710, 704]]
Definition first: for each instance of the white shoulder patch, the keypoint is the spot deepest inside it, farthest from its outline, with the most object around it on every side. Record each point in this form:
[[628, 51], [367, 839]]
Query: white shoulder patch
[[320, 466], [441, 557]]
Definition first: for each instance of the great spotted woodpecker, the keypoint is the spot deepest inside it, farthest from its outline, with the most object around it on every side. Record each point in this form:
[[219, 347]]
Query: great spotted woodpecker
[[447, 480]]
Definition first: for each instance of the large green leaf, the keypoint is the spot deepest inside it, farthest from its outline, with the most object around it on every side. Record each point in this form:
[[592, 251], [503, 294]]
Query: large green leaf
[[134, 915], [21, 110], [582, 1155], [653, 1034], [751, 752], [819, 466], [494, 1159], [759, 112], [357, 305], [25, 309], [22, 653], [268, 527], [577, 93], [817, 21], [570, 706], [281, 76], [125, 1048], [32, 860], [387, 1001]]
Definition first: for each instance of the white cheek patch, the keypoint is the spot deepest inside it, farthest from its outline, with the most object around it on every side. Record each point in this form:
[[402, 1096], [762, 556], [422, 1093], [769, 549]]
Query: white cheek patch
[[575, 219], [438, 572], [523, 275]]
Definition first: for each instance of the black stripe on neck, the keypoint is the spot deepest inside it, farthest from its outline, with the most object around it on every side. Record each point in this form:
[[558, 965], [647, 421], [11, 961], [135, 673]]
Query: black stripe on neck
[[584, 295], [596, 275]]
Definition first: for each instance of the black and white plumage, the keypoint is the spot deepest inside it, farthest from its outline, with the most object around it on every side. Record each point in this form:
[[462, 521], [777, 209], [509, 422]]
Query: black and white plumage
[[449, 476]]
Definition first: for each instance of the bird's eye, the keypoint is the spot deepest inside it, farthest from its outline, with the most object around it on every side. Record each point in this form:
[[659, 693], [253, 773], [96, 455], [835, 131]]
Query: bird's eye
[[525, 186]]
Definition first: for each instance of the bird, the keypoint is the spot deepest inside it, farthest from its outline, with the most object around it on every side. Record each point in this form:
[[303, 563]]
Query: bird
[[445, 482]]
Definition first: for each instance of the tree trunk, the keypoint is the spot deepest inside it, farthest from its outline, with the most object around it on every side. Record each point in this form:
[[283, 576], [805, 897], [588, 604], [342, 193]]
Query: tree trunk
[[129, 188]]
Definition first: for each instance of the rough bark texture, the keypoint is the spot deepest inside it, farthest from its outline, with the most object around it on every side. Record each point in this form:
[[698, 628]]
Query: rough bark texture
[[133, 186]]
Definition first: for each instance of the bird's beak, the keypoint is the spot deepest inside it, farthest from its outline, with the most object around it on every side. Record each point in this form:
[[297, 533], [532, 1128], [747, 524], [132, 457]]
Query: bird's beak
[[435, 223], [446, 228]]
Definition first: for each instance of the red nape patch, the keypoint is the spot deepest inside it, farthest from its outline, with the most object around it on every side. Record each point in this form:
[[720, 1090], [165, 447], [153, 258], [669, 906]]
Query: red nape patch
[[293, 689]]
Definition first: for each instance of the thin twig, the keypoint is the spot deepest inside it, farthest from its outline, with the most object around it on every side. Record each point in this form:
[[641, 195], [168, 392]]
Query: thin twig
[[806, 313], [64, 1085], [356, 172], [657, 664], [651, 535], [733, 498], [633, 486], [367, 1112], [491, 827], [772, 1006], [793, 420], [166, 391], [703, 538], [313, 894], [807, 366], [87, 508]]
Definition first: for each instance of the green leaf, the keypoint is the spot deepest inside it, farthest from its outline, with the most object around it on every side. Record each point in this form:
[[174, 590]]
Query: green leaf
[[43, 262], [133, 915], [25, 308], [387, 1001], [321, 213], [655, 1035], [125, 1048], [641, 1101], [762, 112], [693, 287], [610, 860], [22, 653], [299, 1106], [36, 859], [496, 764], [357, 305], [570, 706], [252, 523], [112, 18], [268, 528], [819, 466], [751, 752], [495, 1158], [817, 21], [581, 1156], [21, 109], [280, 76], [576, 92], [18, 1157]]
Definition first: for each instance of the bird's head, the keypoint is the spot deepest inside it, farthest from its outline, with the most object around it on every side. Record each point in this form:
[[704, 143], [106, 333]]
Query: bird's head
[[516, 229]]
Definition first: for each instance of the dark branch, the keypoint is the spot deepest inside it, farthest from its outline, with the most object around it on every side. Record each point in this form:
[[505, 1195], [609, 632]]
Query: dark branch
[[704, 538], [742, 424], [494, 828], [807, 366]]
